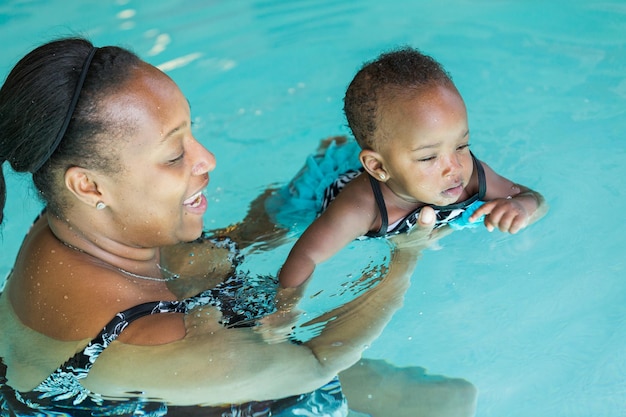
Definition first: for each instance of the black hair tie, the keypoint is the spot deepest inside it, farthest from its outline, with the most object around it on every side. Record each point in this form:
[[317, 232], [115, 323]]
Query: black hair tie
[[70, 110]]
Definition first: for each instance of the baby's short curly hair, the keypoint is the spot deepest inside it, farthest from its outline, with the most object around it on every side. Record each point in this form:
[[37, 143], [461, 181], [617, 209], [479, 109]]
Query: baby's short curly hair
[[399, 73]]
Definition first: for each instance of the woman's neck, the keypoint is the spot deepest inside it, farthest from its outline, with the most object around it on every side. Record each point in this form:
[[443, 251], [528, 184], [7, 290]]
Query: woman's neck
[[90, 240]]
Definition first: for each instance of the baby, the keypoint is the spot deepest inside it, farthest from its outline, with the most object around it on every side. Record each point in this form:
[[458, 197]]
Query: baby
[[411, 126]]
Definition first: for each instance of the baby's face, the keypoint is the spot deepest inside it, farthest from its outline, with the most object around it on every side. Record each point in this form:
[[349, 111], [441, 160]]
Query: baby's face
[[427, 152]]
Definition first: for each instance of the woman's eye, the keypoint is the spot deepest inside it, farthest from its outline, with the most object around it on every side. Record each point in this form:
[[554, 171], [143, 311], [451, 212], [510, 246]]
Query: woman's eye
[[462, 147], [429, 158], [178, 158]]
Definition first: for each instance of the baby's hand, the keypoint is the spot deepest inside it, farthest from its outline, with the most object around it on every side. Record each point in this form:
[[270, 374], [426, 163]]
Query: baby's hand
[[278, 326], [506, 214]]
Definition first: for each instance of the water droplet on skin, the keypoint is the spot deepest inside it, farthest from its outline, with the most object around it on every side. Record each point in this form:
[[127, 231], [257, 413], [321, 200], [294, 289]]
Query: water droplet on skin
[[65, 297]]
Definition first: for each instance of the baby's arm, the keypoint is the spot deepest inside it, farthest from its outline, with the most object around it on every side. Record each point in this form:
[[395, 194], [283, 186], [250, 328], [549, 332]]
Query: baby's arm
[[510, 207], [321, 240], [349, 216]]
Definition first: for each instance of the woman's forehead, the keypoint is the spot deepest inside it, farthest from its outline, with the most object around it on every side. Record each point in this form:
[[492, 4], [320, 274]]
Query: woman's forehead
[[147, 91]]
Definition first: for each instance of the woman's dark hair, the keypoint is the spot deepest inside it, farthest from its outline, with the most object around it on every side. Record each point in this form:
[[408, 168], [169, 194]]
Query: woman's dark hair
[[397, 73], [35, 101]]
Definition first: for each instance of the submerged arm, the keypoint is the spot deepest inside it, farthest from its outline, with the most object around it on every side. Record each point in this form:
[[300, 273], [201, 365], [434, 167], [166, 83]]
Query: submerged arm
[[214, 365], [256, 227]]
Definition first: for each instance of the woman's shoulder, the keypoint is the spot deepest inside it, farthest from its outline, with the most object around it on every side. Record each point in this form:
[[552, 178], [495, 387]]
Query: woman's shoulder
[[65, 294]]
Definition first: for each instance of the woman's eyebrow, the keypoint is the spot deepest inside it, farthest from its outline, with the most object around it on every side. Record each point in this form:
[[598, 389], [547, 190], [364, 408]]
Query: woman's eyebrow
[[174, 131]]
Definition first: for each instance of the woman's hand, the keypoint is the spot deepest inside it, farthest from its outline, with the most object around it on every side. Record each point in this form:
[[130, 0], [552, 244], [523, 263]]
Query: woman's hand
[[423, 234]]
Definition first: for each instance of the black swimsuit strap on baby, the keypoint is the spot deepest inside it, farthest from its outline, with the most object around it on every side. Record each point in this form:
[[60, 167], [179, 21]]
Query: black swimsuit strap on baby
[[382, 209], [482, 182]]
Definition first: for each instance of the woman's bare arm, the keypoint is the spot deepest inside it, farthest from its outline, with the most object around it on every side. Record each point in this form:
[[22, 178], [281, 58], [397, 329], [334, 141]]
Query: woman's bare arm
[[214, 365]]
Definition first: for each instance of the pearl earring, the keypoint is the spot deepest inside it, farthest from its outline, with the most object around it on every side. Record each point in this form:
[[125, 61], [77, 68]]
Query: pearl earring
[[100, 205], [382, 177]]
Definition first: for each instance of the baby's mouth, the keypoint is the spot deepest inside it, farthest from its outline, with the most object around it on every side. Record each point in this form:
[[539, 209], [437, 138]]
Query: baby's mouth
[[454, 191]]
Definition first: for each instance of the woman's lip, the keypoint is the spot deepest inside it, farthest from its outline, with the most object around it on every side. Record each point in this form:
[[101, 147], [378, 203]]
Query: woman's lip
[[196, 204], [196, 195], [190, 200]]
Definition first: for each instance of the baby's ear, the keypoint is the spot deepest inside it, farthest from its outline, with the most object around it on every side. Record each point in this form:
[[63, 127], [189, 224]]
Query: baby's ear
[[372, 161]]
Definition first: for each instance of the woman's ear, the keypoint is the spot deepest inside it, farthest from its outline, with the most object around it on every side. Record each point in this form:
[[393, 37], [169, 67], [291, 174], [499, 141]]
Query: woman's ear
[[82, 183], [373, 164]]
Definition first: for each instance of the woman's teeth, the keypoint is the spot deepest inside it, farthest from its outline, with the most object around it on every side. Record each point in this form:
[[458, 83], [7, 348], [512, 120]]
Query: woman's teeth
[[194, 200]]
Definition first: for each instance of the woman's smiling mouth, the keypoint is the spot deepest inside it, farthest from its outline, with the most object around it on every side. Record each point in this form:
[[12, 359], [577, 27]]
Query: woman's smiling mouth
[[197, 202]]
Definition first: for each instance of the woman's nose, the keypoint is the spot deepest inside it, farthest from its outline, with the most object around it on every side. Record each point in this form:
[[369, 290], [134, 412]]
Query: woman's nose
[[204, 161]]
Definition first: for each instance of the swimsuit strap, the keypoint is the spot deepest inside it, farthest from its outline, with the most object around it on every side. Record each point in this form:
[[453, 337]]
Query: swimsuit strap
[[482, 182], [380, 202], [80, 364]]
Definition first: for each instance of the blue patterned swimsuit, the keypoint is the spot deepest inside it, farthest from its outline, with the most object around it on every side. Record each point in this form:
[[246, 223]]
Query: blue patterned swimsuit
[[240, 300]]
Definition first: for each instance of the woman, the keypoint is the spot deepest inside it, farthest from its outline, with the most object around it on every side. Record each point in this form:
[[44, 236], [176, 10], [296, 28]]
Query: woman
[[99, 311]]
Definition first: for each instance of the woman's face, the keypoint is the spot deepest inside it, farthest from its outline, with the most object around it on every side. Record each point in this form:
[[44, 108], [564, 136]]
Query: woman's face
[[156, 199]]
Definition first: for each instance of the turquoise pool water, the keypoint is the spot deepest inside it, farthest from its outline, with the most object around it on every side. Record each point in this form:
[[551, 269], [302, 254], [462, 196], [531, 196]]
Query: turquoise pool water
[[536, 321]]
